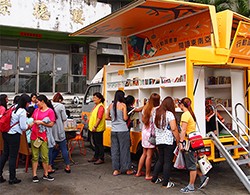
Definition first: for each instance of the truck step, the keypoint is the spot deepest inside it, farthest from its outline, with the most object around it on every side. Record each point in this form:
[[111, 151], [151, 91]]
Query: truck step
[[234, 147], [243, 161]]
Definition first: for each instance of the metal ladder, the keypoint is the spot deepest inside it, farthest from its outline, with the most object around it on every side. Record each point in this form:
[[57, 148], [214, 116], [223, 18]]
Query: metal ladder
[[242, 143]]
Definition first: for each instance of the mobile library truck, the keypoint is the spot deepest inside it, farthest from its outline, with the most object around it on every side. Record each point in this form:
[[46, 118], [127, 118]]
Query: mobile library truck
[[181, 49]]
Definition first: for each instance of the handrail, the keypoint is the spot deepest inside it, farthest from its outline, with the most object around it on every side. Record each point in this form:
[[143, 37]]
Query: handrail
[[237, 118], [238, 171], [236, 122]]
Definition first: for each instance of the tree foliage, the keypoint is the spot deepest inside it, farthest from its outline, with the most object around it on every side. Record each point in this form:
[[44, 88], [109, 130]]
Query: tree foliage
[[239, 6]]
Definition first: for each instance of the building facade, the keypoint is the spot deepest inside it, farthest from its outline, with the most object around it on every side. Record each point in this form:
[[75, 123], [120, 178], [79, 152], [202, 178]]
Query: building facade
[[36, 53]]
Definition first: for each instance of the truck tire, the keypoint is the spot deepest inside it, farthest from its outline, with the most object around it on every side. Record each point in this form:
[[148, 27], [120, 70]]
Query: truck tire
[[138, 153]]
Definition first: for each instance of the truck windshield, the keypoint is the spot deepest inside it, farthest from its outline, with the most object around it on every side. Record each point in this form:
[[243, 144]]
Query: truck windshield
[[89, 93]]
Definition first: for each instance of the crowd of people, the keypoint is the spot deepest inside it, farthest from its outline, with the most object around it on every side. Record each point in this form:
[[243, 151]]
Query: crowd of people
[[45, 121], [158, 119]]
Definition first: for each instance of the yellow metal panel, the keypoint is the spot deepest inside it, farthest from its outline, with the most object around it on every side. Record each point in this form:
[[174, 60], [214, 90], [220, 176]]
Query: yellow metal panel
[[225, 20], [215, 37], [240, 49]]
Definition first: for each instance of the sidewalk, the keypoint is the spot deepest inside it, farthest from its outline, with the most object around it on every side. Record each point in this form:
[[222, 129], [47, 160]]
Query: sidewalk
[[87, 178]]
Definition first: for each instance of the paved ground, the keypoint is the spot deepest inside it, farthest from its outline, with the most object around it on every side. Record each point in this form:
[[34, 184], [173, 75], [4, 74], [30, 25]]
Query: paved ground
[[87, 178]]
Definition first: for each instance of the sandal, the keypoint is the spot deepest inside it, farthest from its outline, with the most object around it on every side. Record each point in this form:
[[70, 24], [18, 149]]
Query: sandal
[[67, 170], [148, 178], [116, 172], [140, 174], [129, 172], [51, 171]]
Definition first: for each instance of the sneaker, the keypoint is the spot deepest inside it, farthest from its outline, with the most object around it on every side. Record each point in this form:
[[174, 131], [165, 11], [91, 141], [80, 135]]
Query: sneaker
[[169, 185], [2, 179], [158, 180], [48, 177], [204, 182], [14, 181], [35, 179], [186, 190]]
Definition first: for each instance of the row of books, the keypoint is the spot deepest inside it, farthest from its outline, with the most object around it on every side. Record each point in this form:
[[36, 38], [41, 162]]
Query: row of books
[[148, 81], [218, 80]]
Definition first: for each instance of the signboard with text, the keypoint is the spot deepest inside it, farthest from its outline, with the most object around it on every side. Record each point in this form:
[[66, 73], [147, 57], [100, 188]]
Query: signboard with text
[[174, 37], [240, 49]]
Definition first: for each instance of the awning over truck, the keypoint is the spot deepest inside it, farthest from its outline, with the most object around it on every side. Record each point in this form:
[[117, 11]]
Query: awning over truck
[[140, 16]]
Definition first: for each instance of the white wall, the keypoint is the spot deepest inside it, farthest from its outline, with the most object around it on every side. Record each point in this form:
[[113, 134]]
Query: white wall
[[58, 15], [199, 99], [237, 87]]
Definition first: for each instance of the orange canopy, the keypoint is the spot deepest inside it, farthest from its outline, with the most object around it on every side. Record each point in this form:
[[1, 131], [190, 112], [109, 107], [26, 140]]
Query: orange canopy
[[140, 16]]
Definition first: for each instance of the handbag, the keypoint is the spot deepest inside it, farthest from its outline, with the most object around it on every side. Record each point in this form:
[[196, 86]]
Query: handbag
[[196, 140], [38, 142], [204, 164], [151, 139]]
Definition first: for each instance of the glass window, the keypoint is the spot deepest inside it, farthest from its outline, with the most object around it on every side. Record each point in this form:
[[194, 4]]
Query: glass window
[[8, 64], [27, 84], [8, 42], [7, 83], [54, 46], [78, 85], [28, 62], [46, 72], [61, 72], [77, 65], [61, 83], [28, 44], [89, 95]]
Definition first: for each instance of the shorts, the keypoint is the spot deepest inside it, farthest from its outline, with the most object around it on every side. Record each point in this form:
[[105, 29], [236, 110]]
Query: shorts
[[190, 160], [43, 150]]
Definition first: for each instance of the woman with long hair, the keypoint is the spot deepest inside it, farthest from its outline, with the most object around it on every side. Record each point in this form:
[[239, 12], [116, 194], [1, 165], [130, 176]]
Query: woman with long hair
[[188, 125], [167, 135], [3, 103], [147, 129], [97, 126], [44, 116], [12, 138], [120, 138], [59, 134]]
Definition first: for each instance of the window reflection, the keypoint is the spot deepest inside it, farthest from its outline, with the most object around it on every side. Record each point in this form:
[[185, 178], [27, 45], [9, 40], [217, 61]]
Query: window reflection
[[46, 72], [27, 84], [28, 61]]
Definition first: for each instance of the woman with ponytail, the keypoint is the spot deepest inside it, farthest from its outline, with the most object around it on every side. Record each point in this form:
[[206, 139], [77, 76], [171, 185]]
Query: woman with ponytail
[[120, 138], [188, 125]]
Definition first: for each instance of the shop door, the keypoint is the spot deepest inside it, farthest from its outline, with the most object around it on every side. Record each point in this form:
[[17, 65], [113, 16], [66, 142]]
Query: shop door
[[61, 72]]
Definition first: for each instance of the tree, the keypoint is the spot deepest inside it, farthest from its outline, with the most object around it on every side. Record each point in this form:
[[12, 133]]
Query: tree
[[242, 7], [220, 5], [239, 6]]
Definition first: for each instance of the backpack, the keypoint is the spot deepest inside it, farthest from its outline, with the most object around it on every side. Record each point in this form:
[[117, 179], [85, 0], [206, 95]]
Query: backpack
[[5, 120]]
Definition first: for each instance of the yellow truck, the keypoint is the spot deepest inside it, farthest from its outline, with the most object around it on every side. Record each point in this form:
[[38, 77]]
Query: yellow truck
[[180, 49]]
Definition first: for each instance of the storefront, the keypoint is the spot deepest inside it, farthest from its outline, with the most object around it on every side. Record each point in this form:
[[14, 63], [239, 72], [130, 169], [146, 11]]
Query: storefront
[[36, 53]]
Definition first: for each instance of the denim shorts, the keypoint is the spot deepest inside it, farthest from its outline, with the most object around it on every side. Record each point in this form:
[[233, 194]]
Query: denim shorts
[[190, 160]]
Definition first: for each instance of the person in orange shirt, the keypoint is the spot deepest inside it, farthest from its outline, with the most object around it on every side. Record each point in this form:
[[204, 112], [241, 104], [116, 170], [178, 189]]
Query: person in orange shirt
[[97, 125]]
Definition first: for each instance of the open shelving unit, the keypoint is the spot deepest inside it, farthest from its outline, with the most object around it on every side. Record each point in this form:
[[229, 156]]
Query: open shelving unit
[[165, 78]]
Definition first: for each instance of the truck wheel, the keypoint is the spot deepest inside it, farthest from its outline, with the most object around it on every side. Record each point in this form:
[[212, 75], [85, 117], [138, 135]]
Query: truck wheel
[[138, 153]]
